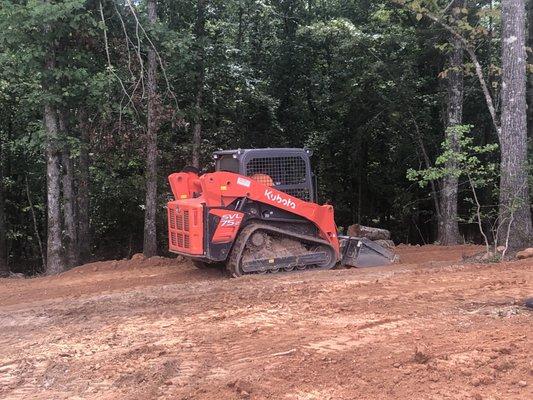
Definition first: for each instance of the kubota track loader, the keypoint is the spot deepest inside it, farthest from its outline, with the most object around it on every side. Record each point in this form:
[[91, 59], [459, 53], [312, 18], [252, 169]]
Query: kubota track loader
[[257, 213]]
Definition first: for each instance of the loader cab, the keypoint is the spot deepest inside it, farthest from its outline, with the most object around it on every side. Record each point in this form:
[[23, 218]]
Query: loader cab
[[286, 169]]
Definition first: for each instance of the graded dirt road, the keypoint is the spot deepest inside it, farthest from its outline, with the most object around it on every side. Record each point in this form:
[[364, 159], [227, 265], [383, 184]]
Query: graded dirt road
[[429, 328]]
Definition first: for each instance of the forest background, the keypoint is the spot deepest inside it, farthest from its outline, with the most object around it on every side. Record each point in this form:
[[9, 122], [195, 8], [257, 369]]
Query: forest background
[[101, 100]]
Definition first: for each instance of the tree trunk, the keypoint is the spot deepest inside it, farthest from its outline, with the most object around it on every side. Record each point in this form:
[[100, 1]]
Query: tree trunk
[[150, 232], [448, 232], [530, 75], [84, 237], [54, 262], [515, 210], [54, 248], [200, 77], [4, 267], [69, 198]]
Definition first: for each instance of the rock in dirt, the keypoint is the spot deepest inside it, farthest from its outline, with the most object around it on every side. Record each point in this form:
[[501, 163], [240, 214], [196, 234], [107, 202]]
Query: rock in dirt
[[529, 303], [489, 256], [420, 357], [482, 257], [527, 253], [137, 256]]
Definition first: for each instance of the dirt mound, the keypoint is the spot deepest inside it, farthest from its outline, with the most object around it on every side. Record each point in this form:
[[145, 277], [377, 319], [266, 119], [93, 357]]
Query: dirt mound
[[125, 265], [103, 276]]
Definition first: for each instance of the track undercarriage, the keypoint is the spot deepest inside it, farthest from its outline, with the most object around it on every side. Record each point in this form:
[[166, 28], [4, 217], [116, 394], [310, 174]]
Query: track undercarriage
[[262, 248]]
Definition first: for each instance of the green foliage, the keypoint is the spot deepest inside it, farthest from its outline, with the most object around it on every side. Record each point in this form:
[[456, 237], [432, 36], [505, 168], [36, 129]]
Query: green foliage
[[354, 81], [460, 157]]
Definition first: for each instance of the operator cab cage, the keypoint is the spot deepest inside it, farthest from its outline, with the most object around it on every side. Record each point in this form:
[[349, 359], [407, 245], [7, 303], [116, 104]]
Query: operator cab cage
[[287, 170]]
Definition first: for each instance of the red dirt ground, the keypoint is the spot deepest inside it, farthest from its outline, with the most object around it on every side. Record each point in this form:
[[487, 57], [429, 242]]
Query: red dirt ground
[[429, 328]]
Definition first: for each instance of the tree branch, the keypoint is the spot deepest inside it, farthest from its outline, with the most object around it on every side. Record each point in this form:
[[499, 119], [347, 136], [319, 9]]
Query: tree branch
[[434, 190], [109, 65], [34, 220], [478, 214], [159, 59], [472, 54]]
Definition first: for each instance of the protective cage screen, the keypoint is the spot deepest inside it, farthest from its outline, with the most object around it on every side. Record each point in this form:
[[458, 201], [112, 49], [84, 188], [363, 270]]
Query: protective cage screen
[[281, 171]]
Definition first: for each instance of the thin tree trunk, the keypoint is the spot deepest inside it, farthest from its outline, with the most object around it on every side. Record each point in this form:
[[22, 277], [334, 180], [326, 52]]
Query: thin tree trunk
[[514, 191], [4, 267], [240, 30], [448, 218], [84, 237], [150, 232], [427, 163], [35, 225], [200, 77], [478, 215], [69, 199]]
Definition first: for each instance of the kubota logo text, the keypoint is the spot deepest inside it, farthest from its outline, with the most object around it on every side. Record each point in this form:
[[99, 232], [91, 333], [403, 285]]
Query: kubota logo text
[[278, 199]]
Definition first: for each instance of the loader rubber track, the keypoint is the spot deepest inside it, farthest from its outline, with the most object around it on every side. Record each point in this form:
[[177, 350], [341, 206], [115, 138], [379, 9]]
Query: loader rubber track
[[233, 264]]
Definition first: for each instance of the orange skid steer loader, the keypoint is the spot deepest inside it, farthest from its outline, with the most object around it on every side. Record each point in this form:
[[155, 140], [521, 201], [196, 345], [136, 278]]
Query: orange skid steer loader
[[257, 213]]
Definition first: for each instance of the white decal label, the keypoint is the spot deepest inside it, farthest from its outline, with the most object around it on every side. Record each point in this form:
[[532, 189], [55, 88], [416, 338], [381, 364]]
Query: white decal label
[[279, 199], [243, 182], [231, 220]]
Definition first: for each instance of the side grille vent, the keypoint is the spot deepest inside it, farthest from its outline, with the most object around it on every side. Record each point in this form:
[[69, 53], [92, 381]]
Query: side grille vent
[[180, 227], [172, 218]]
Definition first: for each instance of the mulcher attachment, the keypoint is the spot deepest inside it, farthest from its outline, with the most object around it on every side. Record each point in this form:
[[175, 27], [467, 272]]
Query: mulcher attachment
[[363, 252]]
